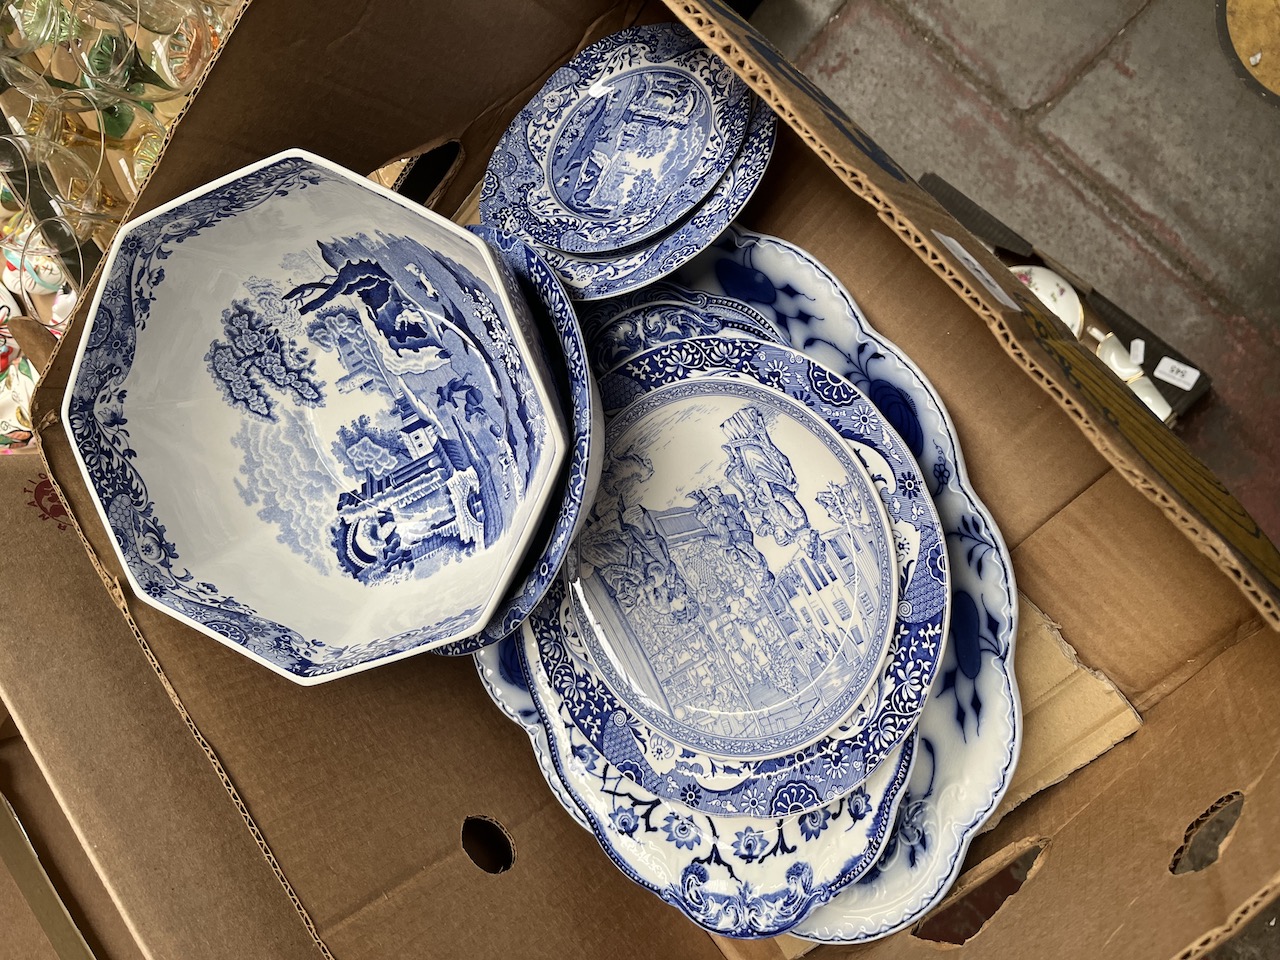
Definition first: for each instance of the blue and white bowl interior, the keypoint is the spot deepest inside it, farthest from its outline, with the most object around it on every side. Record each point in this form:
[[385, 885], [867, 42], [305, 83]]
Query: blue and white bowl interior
[[314, 419]]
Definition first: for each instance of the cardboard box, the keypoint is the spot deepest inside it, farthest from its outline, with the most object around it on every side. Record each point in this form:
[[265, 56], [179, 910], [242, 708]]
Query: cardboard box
[[232, 813]]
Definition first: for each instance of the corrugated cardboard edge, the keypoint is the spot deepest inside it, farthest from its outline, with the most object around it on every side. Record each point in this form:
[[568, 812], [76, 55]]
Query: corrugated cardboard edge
[[1242, 915], [1107, 414]]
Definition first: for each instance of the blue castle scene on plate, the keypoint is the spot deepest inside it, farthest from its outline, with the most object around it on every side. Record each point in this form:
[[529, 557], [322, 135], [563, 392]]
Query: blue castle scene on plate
[[435, 467], [618, 155], [620, 144], [739, 604]]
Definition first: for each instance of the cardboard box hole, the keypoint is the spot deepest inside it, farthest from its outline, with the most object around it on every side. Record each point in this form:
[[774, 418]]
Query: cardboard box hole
[[1207, 834], [488, 844], [963, 920]]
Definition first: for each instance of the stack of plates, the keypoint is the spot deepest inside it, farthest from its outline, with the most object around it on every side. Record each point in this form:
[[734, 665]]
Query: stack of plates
[[634, 156], [773, 675]]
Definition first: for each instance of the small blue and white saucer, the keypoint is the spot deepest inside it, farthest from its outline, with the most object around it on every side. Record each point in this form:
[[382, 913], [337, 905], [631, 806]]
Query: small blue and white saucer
[[597, 277], [619, 328], [620, 144]]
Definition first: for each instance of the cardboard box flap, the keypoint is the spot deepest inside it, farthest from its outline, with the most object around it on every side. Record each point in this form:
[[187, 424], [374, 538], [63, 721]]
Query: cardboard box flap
[[1070, 713], [79, 887], [1083, 901], [19, 858], [139, 791], [1107, 412]]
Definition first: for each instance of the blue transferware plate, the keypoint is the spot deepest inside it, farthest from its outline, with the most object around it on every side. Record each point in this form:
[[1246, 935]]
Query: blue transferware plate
[[971, 726], [620, 327], [849, 752], [620, 144], [312, 415], [595, 277], [736, 876], [736, 576], [557, 323]]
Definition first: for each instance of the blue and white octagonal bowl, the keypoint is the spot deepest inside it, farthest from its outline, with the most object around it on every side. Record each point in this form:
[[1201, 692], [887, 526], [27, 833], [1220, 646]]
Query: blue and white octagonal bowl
[[315, 418]]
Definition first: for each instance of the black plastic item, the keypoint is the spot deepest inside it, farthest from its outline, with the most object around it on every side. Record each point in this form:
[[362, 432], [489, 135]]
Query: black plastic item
[[975, 219], [427, 171]]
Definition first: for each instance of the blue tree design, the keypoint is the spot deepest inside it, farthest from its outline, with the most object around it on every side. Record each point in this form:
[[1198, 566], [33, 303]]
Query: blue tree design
[[256, 357], [363, 447]]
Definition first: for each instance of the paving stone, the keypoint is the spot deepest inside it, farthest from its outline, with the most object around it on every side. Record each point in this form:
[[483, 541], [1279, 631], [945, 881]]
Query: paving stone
[[1163, 120], [1027, 51], [929, 118], [791, 25]]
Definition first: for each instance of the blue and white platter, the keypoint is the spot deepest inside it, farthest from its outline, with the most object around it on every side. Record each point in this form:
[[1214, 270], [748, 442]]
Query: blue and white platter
[[294, 370], [557, 324], [620, 327], [595, 277], [736, 577], [861, 742], [620, 144], [736, 876], [970, 729]]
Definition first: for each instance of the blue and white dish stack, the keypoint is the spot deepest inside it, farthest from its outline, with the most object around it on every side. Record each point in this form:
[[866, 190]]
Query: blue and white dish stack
[[633, 157], [775, 676], [711, 542]]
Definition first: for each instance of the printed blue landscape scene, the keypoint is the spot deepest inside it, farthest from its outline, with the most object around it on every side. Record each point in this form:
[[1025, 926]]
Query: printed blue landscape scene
[[432, 467], [737, 604]]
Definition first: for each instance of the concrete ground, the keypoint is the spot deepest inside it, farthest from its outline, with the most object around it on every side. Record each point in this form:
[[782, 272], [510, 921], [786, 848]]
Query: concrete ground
[[1115, 136]]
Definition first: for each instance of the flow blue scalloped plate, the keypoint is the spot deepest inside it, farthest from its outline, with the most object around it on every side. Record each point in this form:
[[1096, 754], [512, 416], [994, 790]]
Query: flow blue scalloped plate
[[557, 322], [970, 729], [735, 876], [619, 145]]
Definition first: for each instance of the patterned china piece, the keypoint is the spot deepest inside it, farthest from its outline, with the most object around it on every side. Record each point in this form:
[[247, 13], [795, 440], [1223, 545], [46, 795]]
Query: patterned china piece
[[18, 377], [736, 876], [970, 729], [736, 576], [621, 143], [312, 415], [557, 324], [619, 328], [595, 277], [847, 753], [1055, 293]]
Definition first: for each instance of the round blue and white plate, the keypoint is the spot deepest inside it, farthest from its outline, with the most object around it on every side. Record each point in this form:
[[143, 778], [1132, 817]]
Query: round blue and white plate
[[736, 876], [970, 729], [619, 328], [557, 321], [595, 277], [620, 144], [736, 577], [846, 754]]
